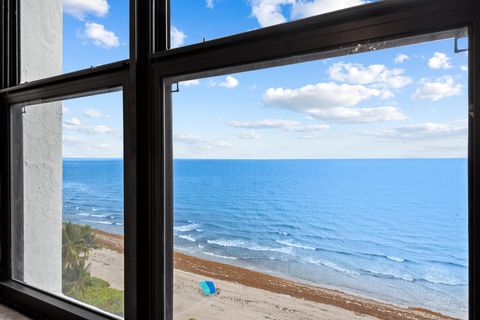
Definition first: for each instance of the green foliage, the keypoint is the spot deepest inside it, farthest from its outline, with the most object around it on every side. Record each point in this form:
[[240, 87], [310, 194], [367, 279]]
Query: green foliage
[[76, 277], [77, 242], [98, 283], [100, 295]]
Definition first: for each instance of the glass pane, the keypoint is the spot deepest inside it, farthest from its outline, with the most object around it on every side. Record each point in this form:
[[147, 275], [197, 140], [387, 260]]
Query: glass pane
[[68, 199], [328, 189], [59, 36], [199, 20]]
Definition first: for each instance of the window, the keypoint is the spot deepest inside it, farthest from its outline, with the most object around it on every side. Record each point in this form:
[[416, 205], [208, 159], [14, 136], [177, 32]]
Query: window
[[76, 35], [198, 21], [69, 212], [306, 188], [155, 151]]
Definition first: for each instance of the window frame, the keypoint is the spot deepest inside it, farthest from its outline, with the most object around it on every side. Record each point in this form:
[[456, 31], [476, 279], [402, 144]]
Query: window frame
[[105, 79], [147, 125], [386, 21]]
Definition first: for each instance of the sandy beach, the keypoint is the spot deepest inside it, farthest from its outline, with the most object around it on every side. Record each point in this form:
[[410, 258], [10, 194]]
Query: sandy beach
[[247, 294]]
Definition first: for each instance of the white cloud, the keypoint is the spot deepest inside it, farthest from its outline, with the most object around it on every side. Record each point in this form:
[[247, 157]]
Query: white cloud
[[249, 135], [464, 68], [439, 61], [74, 122], [320, 95], [271, 12], [424, 131], [79, 142], [190, 83], [198, 144], [438, 89], [377, 114], [287, 125], [97, 129], [401, 58], [177, 37], [94, 114], [100, 36], [80, 8], [103, 146], [65, 110], [71, 141], [229, 83], [375, 74], [75, 125], [330, 101], [210, 4], [308, 8], [309, 132], [187, 138], [310, 128], [264, 124]]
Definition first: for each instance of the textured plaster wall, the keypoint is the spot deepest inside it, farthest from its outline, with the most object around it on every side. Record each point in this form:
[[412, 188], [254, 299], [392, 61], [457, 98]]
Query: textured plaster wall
[[41, 56]]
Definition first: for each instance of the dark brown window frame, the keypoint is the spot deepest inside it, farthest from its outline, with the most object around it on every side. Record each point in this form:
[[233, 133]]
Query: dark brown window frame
[[147, 125]]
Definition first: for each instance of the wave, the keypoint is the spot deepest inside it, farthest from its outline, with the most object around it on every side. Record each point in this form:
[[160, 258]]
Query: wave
[[103, 222], [99, 215], [434, 277], [219, 256], [363, 254], [286, 250], [441, 276], [249, 246], [187, 237], [187, 227], [332, 265], [444, 281], [228, 243], [390, 274], [448, 263], [295, 245], [396, 259]]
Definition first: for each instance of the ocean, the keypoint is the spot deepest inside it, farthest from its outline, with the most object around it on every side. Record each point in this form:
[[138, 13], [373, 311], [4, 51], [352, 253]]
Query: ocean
[[394, 230]]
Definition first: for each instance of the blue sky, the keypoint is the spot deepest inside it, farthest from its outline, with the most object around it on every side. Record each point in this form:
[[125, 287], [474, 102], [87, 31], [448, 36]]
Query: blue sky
[[409, 101], [95, 32]]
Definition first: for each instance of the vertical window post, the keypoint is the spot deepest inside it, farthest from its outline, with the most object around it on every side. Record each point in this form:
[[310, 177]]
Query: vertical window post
[[474, 169]]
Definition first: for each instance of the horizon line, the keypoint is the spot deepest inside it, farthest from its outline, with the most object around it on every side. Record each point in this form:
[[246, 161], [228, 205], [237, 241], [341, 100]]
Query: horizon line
[[285, 159]]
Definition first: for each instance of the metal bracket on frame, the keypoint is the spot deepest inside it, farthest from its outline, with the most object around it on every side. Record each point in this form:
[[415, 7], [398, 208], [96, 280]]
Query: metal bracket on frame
[[456, 49], [177, 87]]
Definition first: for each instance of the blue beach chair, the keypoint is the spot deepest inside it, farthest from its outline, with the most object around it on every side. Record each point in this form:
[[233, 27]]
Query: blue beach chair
[[208, 288]]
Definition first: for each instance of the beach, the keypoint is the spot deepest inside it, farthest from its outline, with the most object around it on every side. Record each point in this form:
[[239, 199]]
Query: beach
[[247, 294]]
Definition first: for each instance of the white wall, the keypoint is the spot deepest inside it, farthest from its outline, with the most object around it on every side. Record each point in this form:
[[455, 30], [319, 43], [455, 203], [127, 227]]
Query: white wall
[[41, 56]]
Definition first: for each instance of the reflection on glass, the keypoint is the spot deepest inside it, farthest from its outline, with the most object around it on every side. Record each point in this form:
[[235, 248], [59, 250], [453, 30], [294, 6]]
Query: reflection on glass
[[331, 189], [68, 213]]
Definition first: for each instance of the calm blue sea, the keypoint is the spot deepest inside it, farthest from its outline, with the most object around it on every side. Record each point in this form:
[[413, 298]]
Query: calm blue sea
[[393, 230]]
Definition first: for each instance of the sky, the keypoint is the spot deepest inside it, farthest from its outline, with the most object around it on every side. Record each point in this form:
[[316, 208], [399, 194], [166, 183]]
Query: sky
[[404, 102]]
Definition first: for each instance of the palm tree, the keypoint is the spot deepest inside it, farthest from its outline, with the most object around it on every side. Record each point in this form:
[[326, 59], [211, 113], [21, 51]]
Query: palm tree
[[77, 241], [77, 278]]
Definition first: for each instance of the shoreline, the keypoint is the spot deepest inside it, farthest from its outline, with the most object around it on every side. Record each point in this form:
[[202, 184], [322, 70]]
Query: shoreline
[[235, 281]]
